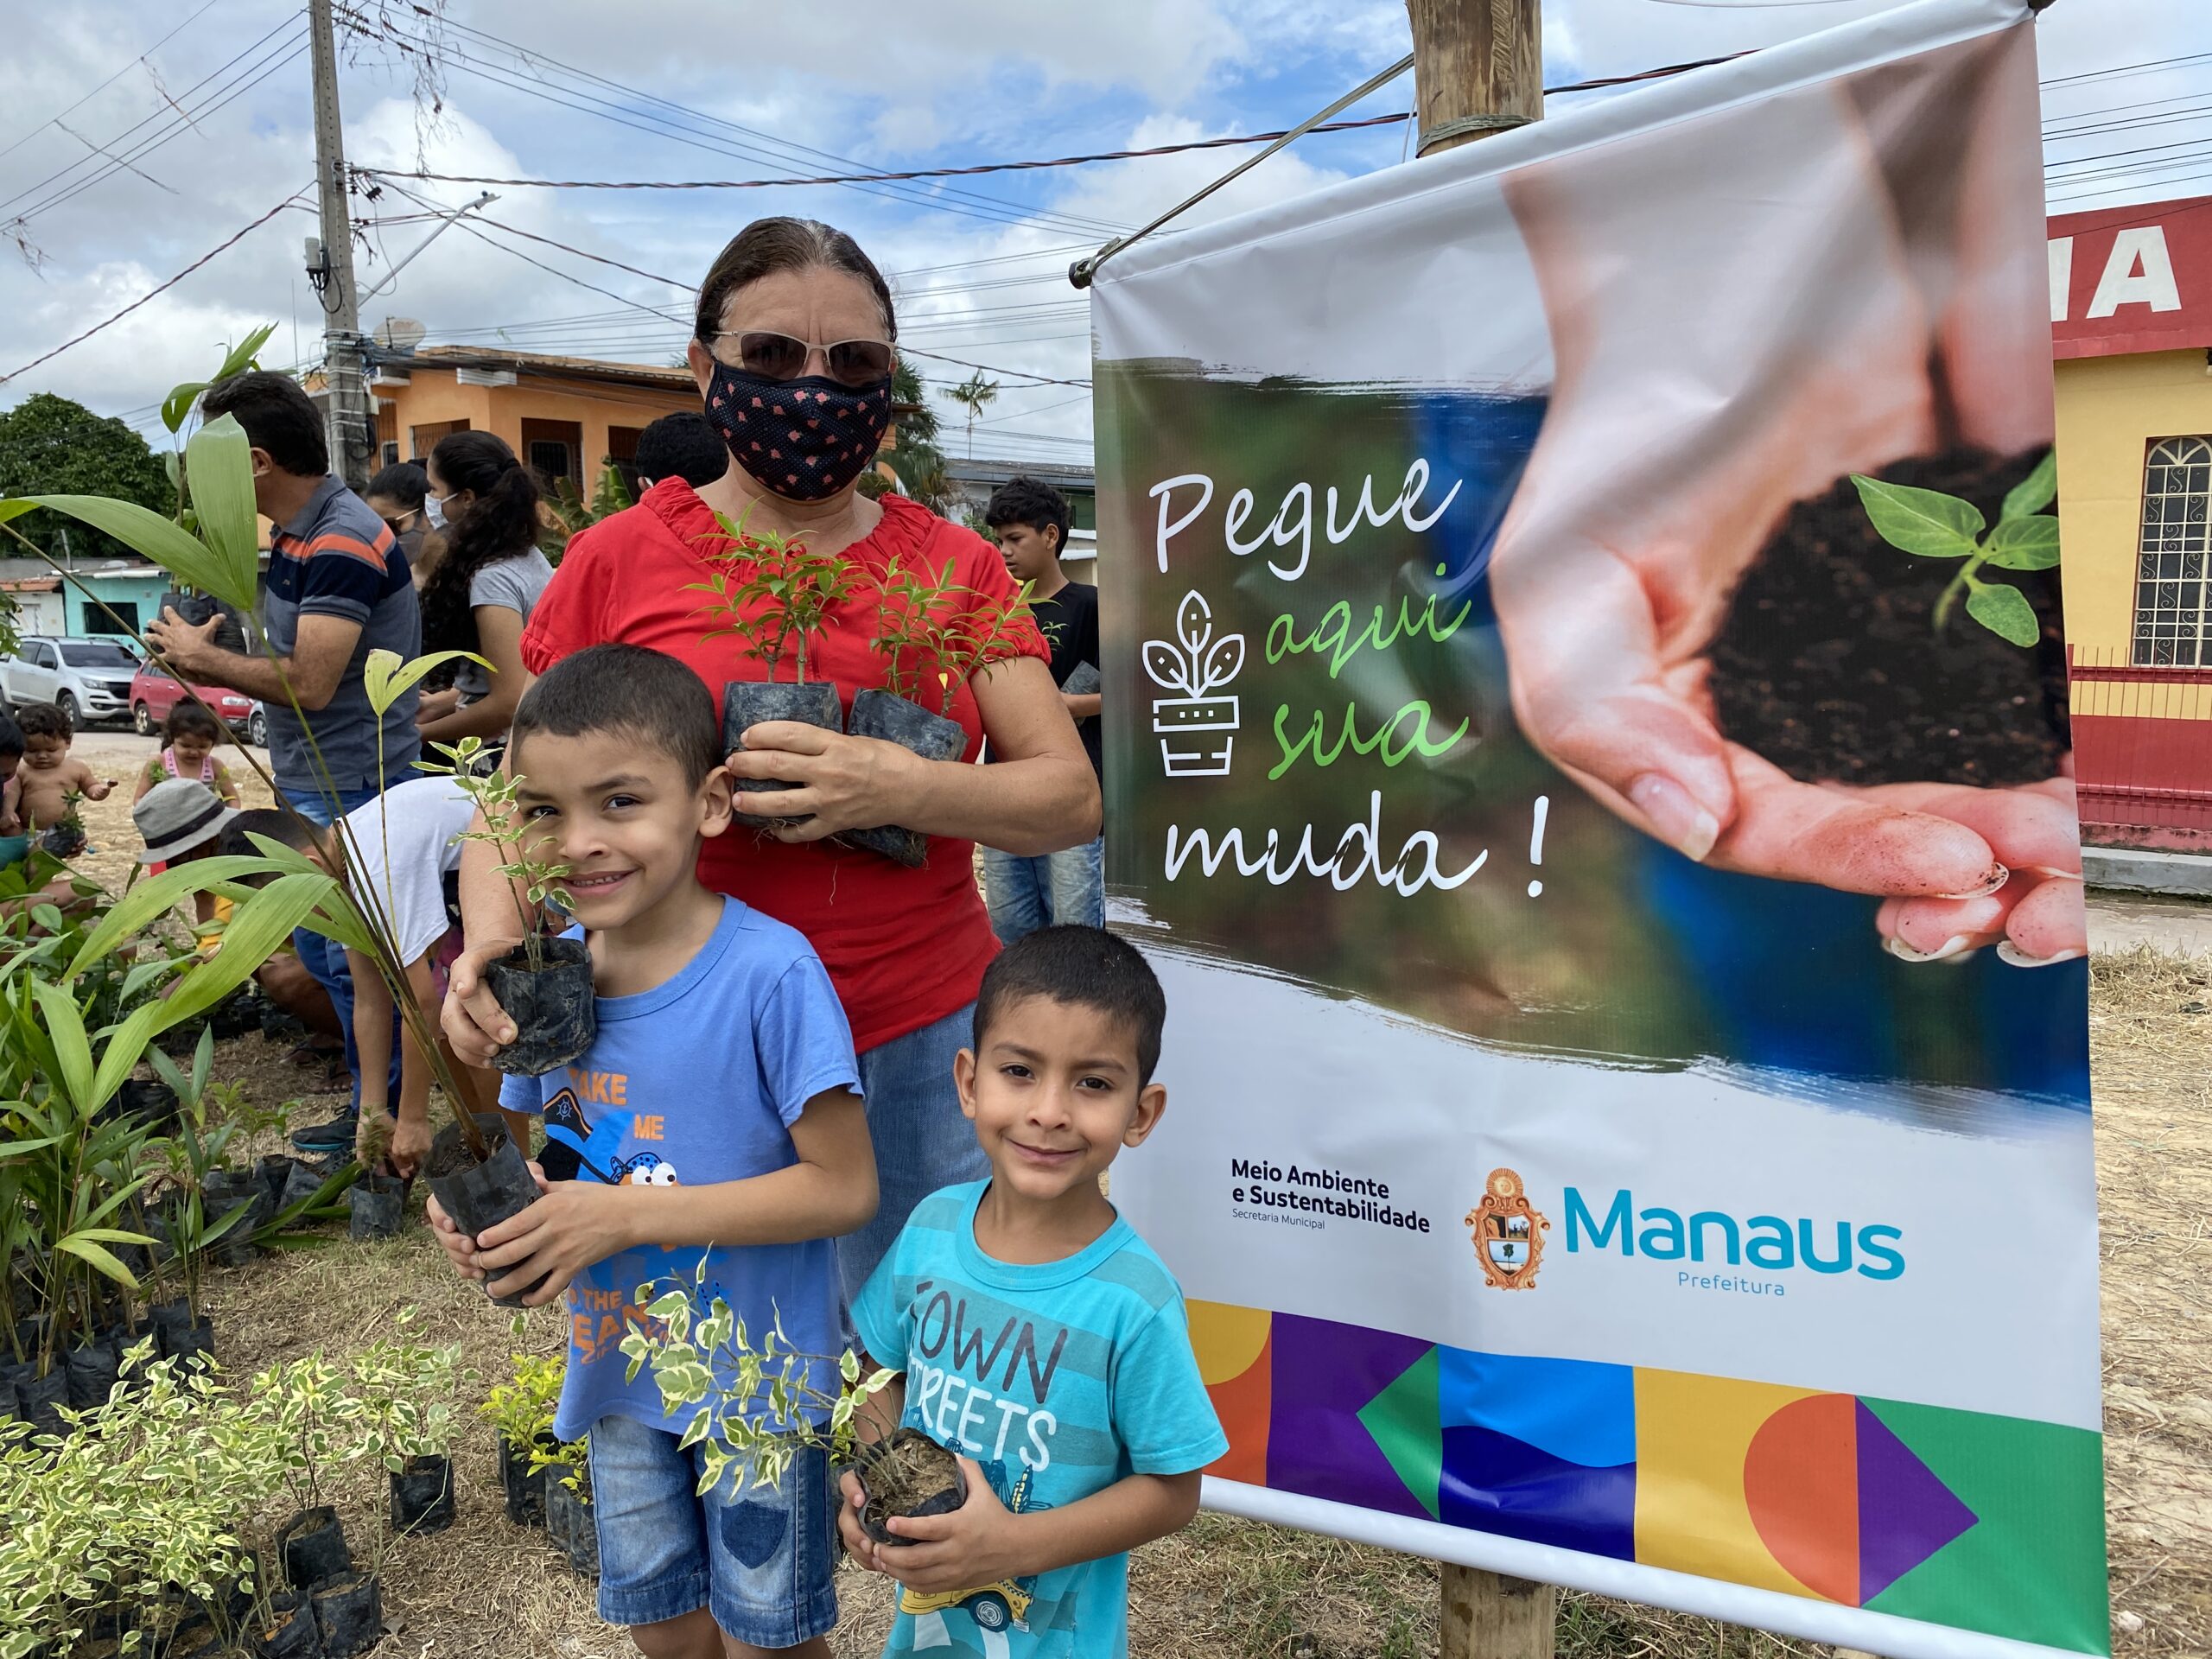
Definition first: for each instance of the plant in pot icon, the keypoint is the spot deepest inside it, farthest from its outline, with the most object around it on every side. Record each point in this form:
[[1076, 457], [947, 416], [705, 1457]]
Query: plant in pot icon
[[1197, 728]]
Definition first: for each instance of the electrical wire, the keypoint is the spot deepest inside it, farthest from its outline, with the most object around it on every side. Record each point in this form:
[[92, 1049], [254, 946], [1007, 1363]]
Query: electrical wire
[[875, 178], [120, 139], [228, 243], [140, 58], [2124, 71], [986, 208], [531, 59]]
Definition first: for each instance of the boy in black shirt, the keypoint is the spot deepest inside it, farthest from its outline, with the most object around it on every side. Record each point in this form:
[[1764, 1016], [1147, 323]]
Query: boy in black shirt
[[1030, 519]]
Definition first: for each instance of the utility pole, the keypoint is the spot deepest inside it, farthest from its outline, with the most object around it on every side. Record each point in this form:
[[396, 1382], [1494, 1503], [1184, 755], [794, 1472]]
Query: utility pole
[[1479, 69], [351, 428]]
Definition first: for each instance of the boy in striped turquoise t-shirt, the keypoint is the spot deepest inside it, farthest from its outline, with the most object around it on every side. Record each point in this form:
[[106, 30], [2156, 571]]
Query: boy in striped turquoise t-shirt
[[1037, 1335]]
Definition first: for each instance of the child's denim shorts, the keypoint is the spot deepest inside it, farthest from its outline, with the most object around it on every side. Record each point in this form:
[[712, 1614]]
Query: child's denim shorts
[[761, 1559]]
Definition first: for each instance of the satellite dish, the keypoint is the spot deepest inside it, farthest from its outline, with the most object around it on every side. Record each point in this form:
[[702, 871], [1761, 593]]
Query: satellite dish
[[403, 333]]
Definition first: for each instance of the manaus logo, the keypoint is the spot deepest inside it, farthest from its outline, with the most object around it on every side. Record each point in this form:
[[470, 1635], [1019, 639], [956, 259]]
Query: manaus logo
[[1508, 1233]]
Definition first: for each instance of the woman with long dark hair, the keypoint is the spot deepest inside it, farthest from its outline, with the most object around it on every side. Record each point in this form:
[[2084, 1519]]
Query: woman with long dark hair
[[486, 586]]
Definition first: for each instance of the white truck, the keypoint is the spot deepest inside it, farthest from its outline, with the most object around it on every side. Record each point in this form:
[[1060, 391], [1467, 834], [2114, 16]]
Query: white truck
[[87, 679]]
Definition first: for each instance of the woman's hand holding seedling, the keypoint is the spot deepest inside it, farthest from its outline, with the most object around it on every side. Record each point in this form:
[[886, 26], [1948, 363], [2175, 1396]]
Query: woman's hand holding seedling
[[842, 782], [1608, 597]]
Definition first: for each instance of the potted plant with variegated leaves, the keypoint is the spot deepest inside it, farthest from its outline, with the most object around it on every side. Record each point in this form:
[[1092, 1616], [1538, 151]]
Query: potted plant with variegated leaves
[[755, 1400]]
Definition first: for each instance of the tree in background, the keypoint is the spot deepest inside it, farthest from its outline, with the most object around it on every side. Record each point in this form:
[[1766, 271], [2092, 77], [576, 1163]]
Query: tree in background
[[52, 446], [974, 394], [915, 456]]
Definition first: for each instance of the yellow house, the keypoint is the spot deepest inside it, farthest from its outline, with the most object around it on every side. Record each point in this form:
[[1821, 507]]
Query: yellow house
[[564, 415], [2130, 305]]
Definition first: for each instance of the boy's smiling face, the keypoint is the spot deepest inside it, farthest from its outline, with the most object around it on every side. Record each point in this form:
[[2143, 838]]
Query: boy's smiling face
[[1054, 1096], [621, 814]]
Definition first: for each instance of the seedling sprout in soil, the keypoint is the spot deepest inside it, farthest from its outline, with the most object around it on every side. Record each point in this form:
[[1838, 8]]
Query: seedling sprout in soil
[[711, 1362], [1839, 658], [1934, 526], [65, 836], [544, 984]]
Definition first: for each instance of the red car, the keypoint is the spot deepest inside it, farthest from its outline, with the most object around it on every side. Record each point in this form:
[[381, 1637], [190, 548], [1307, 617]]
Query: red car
[[153, 694]]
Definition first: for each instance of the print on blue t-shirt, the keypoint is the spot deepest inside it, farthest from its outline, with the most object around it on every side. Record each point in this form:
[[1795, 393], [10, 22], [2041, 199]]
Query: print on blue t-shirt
[[1060, 1378], [695, 1082]]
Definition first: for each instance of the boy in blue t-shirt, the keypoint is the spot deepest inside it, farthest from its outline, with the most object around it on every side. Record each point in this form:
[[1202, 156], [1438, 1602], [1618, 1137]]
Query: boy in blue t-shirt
[[1039, 1337], [714, 1115]]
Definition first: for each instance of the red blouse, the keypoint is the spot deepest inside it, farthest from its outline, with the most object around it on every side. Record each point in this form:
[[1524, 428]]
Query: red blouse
[[905, 948]]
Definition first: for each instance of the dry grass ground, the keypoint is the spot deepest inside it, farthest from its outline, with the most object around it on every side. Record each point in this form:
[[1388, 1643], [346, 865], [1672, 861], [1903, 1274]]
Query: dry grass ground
[[1230, 1589]]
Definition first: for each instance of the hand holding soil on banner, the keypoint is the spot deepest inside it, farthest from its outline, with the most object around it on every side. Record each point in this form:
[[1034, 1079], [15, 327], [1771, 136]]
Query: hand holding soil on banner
[[1688, 584]]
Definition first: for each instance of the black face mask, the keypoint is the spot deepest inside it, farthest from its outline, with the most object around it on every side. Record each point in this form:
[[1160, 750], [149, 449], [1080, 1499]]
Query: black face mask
[[803, 439]]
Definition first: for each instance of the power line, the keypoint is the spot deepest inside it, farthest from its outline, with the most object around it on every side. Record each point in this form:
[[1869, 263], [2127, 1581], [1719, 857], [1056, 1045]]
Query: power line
[[988, 166], [163, 287], [139, 126], [467, 225], [878, 178], [52, 120], [2123, 71], [662, 127], [1088, 226]]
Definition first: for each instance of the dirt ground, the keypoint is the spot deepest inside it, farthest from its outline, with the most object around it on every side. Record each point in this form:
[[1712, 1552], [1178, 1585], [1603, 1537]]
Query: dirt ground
[[1231, 1589]]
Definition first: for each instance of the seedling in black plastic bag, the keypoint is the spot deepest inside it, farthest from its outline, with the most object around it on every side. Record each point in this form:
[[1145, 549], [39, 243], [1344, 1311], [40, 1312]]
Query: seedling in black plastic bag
[[1933, 525]]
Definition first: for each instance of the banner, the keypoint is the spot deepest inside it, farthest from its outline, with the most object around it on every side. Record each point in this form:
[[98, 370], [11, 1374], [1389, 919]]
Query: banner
[[1614, 874]]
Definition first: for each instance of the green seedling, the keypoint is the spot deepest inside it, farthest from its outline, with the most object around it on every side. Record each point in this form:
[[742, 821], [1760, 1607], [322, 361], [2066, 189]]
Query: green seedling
[[534, 874], [772, 593], [1932, 525], [935, 635], [704, 1360]]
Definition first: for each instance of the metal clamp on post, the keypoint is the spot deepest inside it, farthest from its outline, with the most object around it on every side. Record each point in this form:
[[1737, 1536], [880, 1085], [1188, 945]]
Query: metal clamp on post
[[1464, 125]]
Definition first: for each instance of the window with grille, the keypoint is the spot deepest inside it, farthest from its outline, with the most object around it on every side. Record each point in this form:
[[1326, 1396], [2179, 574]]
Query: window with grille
[[2170, 577]]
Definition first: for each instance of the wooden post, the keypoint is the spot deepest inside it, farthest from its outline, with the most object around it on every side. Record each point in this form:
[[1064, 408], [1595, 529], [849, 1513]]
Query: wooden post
[[1479, 69], [1489, 1616]]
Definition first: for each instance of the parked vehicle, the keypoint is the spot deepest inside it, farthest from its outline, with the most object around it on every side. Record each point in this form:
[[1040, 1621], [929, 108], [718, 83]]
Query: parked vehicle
[[154, 693], [86, 679]]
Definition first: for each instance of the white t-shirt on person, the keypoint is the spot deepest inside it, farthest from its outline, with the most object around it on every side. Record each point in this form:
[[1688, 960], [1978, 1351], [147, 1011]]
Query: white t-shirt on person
[[419, 821]]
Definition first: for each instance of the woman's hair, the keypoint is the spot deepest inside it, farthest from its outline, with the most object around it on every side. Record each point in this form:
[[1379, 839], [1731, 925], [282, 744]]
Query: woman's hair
[[404, 481], [500, 522], [190, 720], [768, 246]]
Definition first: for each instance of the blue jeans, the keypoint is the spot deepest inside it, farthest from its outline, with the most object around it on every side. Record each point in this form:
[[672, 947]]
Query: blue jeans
[[1026, 893], [761, 1559], [326, 961], [923, 1141]]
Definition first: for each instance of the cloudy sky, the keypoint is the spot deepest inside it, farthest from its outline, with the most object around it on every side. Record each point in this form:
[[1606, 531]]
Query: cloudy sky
[[135, 139]]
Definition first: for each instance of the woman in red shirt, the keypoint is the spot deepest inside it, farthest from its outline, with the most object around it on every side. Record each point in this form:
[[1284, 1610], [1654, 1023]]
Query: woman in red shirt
[[793, 311]]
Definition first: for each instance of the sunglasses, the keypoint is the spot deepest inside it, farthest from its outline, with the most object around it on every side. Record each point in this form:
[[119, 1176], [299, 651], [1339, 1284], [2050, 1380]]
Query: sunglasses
[[779, 357]]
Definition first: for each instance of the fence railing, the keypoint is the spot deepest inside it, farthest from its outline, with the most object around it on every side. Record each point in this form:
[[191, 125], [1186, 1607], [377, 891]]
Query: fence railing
[[2142, 750]]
